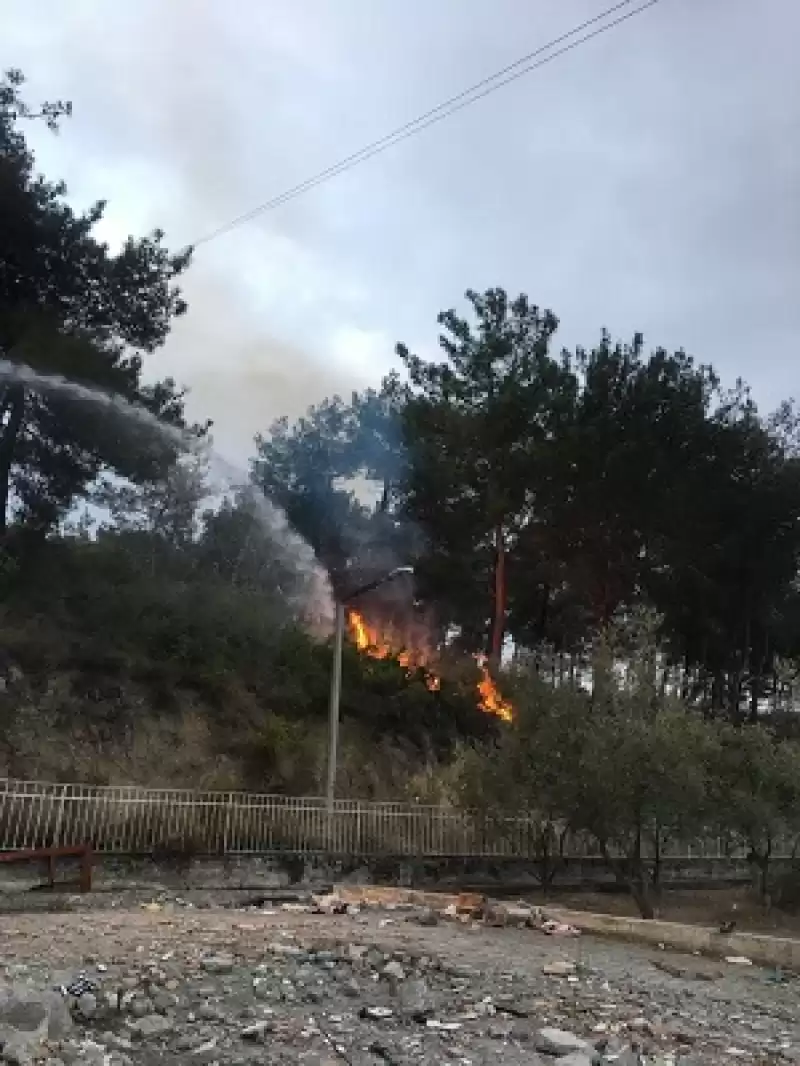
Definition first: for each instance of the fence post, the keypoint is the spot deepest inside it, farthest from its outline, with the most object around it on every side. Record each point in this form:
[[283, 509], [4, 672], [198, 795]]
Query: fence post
[[60, 817], [227, 823]]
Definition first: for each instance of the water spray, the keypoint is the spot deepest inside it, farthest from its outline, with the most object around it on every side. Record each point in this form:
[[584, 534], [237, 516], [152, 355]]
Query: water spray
[[225, 478]]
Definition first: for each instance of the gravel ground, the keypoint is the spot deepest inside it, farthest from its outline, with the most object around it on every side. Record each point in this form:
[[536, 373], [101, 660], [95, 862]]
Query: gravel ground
[[170, 984]]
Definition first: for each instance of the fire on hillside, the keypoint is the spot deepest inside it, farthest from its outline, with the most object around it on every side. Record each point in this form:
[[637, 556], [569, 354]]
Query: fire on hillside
[[369, 641]]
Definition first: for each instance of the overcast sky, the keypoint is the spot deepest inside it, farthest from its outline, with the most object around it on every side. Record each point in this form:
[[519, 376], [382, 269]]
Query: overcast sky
[[648, 181]]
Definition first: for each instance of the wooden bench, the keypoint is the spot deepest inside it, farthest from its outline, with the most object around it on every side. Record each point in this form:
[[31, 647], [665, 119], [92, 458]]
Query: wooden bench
[[81, 851]]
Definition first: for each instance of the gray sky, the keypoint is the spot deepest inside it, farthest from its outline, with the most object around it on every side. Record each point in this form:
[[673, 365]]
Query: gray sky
[[647, 181]]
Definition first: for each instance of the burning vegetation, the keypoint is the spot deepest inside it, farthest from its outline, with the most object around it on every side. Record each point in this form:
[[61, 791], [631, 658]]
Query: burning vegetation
[[413, 656]]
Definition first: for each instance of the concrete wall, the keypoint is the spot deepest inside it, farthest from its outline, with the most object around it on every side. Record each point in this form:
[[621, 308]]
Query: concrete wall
[[284, 871], [760, 949]]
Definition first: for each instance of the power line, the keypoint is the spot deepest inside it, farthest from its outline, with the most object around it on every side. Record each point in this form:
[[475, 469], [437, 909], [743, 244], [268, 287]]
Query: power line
[[518, 69]]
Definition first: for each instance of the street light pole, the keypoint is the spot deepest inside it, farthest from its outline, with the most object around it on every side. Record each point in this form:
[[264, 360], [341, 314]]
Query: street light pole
[[333, 709], [336, 677]]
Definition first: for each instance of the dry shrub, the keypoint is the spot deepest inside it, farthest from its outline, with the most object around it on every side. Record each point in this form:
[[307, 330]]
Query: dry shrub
[[72, 728], [43, 743]]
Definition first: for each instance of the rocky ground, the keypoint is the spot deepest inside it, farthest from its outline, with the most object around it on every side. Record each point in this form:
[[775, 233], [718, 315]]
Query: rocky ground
[[165, 983]]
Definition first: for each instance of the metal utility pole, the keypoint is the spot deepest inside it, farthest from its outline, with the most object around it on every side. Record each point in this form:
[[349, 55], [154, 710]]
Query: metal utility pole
[[336, 676], [333, 707]]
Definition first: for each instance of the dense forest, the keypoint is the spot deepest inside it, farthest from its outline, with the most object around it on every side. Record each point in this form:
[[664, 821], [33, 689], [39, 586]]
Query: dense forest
[[609, 535]]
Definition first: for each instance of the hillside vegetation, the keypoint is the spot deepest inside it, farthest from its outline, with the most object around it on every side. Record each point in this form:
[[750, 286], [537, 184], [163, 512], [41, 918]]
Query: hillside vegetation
[[613, 534]]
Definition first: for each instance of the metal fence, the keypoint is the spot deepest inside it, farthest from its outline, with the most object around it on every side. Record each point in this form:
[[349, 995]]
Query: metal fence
[[138, 821]]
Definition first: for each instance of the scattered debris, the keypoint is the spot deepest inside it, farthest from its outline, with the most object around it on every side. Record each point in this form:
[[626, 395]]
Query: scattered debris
[[477, 985], [434, 1023], [429, 917], [298, 908], [517, 915], [553, 928], [218, 964], [691, 971], [330, 903], [375, 1012], [78, 987], [428, 909]]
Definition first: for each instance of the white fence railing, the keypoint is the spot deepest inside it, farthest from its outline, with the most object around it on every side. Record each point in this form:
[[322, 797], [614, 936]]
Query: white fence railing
[[139, 821]]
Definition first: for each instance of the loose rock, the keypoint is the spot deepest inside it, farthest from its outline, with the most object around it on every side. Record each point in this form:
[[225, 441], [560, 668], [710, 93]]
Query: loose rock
[[28, 1018], [559, 968], [218, 964], [559, 1042], [87, 1005], [258, 1033], [153, 1025]]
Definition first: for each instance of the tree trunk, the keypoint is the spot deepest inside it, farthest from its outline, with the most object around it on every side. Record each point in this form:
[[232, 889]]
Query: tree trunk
[[544, 859], [755, 688], [735, 682], [761, 862], [541, 628], [717, 692], [630, 873], [757, 680], [13, 412], [550, 846], [640, 890], [499, 619], [639, 882], [634, 878], [657, 862]]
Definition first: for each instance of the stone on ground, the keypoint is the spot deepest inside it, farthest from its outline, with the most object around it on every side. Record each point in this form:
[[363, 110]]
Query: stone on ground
[[559, 1042], [27, 1019]]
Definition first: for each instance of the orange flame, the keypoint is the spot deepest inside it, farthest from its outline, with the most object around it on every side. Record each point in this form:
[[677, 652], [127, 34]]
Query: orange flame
[[490, 698], [359, 631], [368, 641]]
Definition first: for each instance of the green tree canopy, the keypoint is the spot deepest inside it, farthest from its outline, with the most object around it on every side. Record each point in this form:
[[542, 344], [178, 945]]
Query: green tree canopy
[[477, 428], [70, 307]]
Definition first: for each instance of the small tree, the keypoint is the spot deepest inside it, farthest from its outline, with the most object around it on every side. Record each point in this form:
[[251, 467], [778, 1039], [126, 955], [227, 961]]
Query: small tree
[[529, 772], [642, 781], [617, 759], [756, 782]]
